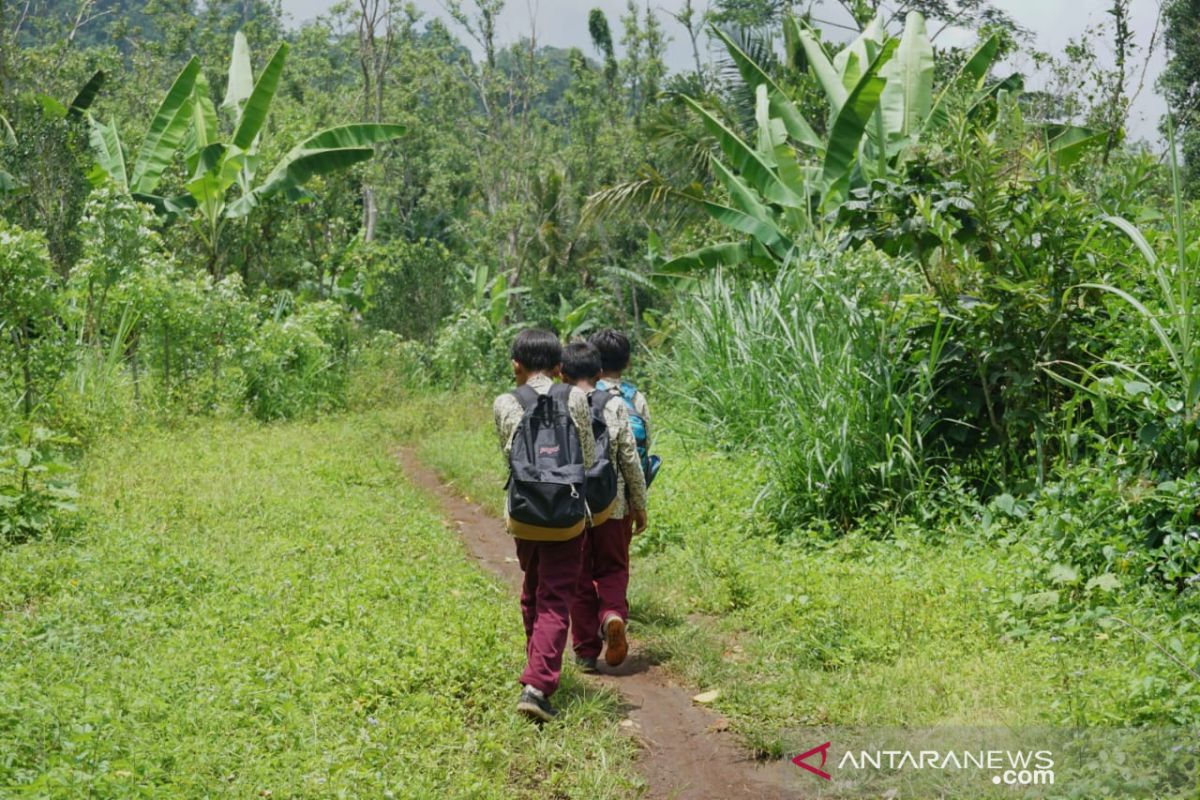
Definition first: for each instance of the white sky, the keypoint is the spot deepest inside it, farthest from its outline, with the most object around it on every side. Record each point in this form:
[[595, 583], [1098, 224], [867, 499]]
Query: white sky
[[563, 23]]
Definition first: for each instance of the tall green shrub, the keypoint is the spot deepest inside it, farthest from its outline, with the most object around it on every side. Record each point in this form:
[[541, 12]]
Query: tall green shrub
[[811, 370], [31, 340]]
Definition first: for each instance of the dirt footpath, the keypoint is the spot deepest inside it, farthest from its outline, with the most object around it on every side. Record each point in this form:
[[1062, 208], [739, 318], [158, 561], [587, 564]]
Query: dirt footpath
[[685, 754]]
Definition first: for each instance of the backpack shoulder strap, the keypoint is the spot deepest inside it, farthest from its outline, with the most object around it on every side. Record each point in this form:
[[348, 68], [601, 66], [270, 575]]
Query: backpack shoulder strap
[[600, 400], [561, 391], [526, 396], [628, 391]]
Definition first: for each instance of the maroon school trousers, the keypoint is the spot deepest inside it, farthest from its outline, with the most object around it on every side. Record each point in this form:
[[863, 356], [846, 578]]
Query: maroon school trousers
[[603, 581], [551, 579]]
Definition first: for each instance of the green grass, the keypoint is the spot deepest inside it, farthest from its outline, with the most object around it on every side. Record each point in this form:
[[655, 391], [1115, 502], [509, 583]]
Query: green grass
[[273, 611], [909, 627]]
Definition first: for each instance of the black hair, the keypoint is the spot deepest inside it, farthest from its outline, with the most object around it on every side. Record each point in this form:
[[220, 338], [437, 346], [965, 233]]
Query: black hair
[[580, 360], [614, 348], [537, 349]]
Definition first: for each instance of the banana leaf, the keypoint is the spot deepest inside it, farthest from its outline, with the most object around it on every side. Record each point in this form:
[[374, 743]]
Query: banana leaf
[[746, 161], [907, 98], [241, 74], [850, 123], [818, 61], [726, 254], [166, 132], [325, 152], [87, 94], [254, 113], [782, 107], [110, 155], [203, 130], [976, 67]]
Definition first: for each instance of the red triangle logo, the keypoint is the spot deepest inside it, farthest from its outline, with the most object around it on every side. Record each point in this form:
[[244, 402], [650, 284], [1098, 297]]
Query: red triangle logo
[[800, 760]]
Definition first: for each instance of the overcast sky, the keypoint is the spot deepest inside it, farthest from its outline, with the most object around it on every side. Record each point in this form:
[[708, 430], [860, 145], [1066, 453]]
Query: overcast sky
[[563, 23]]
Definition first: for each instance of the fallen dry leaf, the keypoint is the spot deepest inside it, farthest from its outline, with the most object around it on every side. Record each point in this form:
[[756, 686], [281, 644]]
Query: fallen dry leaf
[[707, 697]]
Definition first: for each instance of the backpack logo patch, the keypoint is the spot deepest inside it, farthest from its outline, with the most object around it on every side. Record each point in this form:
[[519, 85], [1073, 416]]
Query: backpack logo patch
[[548, 451]]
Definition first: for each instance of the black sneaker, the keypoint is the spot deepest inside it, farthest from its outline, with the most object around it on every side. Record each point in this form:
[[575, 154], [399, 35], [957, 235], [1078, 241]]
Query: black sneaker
[[588, 665], [534, 705]]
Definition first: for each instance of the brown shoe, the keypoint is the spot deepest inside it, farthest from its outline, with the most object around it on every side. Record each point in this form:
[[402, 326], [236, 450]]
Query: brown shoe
[[617, 647]]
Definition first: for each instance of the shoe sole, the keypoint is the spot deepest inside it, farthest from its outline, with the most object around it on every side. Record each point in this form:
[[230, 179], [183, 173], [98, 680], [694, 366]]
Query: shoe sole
[[618, 647], [534, 711]]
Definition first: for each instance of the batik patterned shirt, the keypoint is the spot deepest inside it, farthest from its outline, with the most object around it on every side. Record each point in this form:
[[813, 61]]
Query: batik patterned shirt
[[622, 447], [507, 412]]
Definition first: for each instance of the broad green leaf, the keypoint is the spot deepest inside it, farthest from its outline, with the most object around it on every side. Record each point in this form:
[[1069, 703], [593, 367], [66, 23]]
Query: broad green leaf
[[771, 133], [726, 254], [907, 98], [746, 161], [762, 230], [1014, 83], [53, 108], [846, 133], [976, 67], [241, 74], [165, 206], [166, 132], [980, 63], [780, 105], [203, 130], [346, 145], [1070, 145], [110, 156], [205, 114], [87, 94], [743, 197], [254, 114], [355, 135], [218, 169], [854, 58], [819, 63]]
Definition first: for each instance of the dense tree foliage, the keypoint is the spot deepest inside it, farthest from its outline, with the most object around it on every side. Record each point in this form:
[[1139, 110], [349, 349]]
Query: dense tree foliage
[[1181, 80]]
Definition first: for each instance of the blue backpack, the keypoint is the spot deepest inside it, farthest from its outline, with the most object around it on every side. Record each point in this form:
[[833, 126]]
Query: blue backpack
[[638, 423]]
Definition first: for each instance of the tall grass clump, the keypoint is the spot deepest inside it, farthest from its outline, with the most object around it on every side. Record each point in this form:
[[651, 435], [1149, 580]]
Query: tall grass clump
[[811, 369]]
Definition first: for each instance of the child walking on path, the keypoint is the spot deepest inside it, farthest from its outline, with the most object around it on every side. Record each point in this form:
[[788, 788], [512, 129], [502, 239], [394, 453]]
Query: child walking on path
[[549, 557], [601, 609]]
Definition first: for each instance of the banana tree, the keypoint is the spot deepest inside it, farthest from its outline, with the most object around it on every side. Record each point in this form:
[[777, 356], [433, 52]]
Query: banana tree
[[882, 101], [223, 183]]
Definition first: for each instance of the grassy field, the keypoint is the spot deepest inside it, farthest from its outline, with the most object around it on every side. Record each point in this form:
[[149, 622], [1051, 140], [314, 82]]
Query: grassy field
[[250, 610], [907, 626], [271, 611]]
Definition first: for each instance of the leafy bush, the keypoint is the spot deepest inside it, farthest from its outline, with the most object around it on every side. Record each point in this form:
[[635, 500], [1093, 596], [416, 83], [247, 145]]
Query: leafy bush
[[809, 370], [469, 350], [383, 367], [406, 286], [37, 490], [32, 346], [297, 364]]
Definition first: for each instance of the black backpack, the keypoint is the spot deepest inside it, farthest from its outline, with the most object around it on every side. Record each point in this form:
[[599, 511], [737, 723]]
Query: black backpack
[[602, 477], [546, 481]]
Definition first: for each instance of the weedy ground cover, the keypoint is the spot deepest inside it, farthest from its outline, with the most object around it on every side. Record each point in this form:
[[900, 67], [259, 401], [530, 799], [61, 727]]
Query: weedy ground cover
[[252, 610], [946, 622]]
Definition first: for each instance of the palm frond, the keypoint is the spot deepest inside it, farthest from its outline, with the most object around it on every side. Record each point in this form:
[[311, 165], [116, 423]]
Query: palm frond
[[648, 194]]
